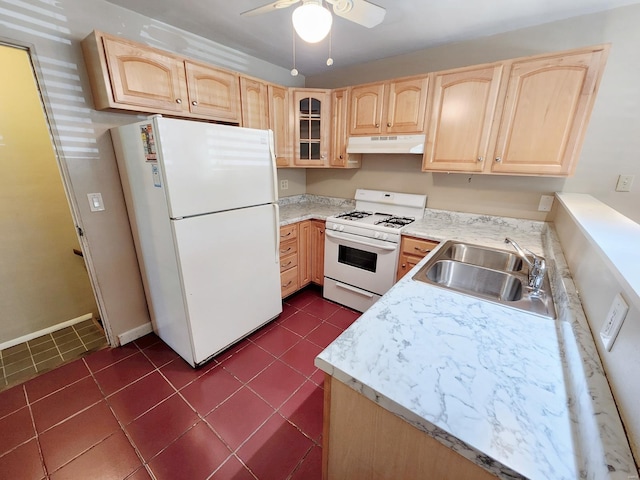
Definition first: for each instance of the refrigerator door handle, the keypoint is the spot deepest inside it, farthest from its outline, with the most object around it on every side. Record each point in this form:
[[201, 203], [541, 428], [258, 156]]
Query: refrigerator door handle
[[277, 231], [272, 151]]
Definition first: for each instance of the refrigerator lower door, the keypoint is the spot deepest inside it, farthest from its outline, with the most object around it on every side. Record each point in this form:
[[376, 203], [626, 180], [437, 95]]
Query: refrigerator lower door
[[230, 273]]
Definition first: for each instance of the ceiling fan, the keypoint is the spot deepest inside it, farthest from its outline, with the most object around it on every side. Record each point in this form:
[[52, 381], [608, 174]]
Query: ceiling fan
[[361, 12]]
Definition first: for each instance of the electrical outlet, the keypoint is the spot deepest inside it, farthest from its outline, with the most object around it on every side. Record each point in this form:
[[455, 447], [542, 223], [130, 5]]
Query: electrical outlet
[[624, 183], [613, 322], [546, 202], [284, 184]]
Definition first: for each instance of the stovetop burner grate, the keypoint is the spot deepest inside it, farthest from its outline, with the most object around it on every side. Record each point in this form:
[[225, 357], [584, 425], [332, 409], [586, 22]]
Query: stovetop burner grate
[[354, 215], [395, 221]]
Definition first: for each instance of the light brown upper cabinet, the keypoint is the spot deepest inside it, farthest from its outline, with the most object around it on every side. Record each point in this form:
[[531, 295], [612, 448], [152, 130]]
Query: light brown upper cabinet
[[546, 112], [126, 75], [387, 108], [461, 118], [311, 118], [255, 103], [134, 79], [281, 122], [522, 117], [213, 92], [339, 118]]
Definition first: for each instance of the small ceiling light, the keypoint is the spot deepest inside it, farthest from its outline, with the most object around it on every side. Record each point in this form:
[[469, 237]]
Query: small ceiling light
[[312, 21]]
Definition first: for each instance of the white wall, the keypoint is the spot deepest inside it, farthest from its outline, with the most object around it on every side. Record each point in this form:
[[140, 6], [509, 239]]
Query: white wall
[[611, 145], [598, 284], [54, 30]]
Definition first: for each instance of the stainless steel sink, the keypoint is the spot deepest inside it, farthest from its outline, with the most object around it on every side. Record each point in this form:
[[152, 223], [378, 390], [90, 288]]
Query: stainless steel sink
[[499, 286], [482, 256], [490, 274]]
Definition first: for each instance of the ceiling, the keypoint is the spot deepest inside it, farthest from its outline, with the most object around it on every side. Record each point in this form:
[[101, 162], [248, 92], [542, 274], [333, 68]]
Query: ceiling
[[409, 25]]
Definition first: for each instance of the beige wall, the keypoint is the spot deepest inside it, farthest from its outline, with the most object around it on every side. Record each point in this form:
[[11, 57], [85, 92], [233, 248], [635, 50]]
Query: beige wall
[[43, 282], [598, 285], [54, 31], [612, 141], [296, 180]]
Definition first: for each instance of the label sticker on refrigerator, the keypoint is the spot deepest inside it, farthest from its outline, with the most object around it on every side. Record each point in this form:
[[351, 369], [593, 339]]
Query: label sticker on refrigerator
[[156, 176], [148, 143]]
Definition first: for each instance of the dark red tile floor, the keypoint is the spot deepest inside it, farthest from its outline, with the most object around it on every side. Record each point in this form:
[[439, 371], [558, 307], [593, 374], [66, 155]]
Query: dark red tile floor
[[140, 412]]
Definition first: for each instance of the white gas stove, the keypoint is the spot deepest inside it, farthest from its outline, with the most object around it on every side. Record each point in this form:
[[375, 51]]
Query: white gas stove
[[362, 246]]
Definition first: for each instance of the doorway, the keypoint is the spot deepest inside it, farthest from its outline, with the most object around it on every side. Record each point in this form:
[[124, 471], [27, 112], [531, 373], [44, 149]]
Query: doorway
[[48, 311]]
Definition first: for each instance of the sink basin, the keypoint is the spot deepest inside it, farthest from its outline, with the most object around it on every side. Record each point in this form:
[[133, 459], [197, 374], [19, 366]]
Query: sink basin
[[464, 277], [482, 256], [489, 274]]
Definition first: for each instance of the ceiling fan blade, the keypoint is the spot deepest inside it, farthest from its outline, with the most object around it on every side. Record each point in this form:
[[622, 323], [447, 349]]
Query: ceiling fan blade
[[271, 7], [359, 11]]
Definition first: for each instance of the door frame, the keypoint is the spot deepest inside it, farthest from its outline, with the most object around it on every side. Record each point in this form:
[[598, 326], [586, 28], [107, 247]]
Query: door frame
[[65, 178]]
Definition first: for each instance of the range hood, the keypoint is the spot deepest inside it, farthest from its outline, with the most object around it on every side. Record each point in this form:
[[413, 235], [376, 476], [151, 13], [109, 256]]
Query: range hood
[[387, 144]]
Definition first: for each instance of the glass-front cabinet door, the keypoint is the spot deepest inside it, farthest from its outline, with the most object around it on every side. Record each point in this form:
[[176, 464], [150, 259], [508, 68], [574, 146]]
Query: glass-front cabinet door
[[312, 110]]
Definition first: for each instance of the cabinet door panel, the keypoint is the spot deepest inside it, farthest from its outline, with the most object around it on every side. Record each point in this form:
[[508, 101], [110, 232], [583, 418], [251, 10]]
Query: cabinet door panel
[[317, 251], [253, 95], [366, 109], [464, 104], [145, 77], [312, 115], [213, 92], [545, 114], [406, 106], [280, 122]]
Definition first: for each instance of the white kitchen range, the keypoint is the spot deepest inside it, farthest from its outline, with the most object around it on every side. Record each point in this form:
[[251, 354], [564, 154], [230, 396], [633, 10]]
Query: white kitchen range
[[362, 246]]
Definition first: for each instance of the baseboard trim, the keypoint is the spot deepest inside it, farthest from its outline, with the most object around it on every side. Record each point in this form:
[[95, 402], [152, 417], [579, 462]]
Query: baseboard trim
[[44, 331], [135, 333]]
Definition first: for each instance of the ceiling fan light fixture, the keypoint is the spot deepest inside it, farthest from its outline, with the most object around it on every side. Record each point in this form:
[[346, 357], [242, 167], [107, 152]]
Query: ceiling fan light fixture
[[312, 21]]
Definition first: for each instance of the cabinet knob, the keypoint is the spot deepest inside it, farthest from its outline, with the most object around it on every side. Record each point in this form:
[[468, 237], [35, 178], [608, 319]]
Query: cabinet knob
[[194, 103], [377, 125], [323, 156], [388, 124], [340, 157], [498, 159], [178, 100], [404, 265], [480, 159]]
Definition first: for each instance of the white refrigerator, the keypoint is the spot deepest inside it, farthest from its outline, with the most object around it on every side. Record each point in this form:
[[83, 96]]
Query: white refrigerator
[[202, 203]]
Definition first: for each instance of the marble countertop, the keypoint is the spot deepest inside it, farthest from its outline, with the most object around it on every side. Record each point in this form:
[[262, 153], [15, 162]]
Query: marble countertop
[[521, 395]]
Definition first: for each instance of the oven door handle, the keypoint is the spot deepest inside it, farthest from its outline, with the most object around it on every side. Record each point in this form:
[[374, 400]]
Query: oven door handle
[[351, 239]]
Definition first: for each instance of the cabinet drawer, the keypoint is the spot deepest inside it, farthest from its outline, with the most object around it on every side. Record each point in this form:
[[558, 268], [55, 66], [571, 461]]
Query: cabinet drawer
[[289, 232], [290, 247], [417, 246], [287, 262], [289, 281]]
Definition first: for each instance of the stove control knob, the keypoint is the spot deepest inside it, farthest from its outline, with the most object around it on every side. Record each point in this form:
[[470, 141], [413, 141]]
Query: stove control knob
[[385, 236], [376, 235], [334, 226], [342, 228]]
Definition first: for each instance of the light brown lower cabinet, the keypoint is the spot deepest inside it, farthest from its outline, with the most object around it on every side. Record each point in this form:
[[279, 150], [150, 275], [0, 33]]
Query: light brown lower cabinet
[[362, 440], [301, 255], [412, 250], [289, 259], [317, 251]]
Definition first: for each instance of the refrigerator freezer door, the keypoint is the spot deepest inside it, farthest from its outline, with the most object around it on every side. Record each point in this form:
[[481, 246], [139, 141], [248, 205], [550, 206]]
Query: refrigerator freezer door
[[211, 168], [231, 274]]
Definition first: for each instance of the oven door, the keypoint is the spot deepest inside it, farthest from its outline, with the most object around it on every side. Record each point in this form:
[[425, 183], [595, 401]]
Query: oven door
[[362, 262]]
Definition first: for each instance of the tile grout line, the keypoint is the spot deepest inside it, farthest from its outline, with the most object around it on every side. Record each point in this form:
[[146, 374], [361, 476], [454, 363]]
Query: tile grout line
[[35, 430], [120, 424]]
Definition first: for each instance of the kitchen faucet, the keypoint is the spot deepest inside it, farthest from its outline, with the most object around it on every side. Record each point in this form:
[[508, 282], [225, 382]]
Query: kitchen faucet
[[537, 267]]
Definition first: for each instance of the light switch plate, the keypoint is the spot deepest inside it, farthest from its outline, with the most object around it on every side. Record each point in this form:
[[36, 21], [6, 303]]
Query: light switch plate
[[546, 202], [613, 322], [95, 202], [624, 183]]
